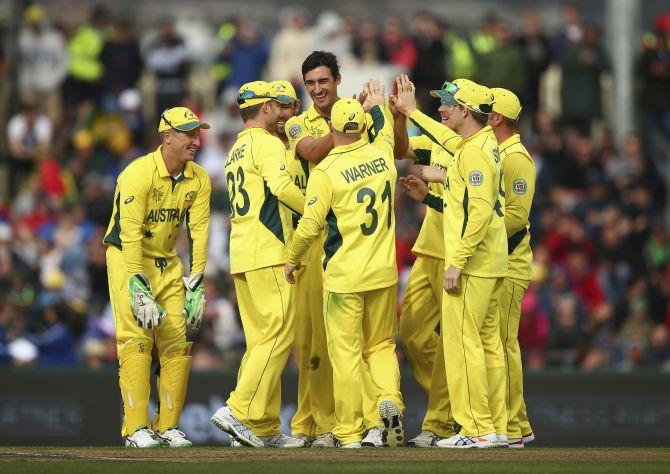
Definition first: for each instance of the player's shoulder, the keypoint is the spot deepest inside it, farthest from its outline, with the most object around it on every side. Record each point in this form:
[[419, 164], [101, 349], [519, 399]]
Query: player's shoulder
[[140, 167], [198, 171]]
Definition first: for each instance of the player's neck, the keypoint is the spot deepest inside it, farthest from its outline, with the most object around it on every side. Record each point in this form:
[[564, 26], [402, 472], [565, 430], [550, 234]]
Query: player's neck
[[174, 166], [256, 122], [469, 128], [343, 140], [503, 133], [326, 111]]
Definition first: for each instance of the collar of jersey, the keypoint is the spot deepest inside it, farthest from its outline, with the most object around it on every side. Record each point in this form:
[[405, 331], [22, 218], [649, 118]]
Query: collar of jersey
[[313, 114], [513, 140], [465, 141], [162, 169], [351, 146]]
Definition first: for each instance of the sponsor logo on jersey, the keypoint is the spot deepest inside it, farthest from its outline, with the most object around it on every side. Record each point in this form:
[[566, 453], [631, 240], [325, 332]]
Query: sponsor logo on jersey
[[476, 178], [129, 200], [294, 131], [520, 186], [311, 201]]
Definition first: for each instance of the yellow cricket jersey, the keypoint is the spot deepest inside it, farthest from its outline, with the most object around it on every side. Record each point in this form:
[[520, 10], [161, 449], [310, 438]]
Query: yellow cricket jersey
[[474, 225], [257, 179], [519, 184], [435, 146], [311, 123], [351, 193], [150, 206]]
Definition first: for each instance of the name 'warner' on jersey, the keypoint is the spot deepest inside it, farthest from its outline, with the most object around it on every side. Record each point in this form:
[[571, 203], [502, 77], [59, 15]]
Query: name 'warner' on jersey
[[351, 192], [150, 207], [257, 179], [475, 239]]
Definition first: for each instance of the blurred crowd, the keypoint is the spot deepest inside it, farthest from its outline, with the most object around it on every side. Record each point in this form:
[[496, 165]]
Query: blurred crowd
[[86, 101]]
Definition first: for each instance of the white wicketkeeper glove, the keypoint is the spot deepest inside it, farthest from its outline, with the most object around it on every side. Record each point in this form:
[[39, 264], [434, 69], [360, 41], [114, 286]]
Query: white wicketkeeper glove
[[147, 312], [194, 304]]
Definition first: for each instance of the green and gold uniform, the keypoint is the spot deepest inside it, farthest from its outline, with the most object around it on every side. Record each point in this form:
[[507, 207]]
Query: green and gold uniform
[[350, 193], [519, 185], [150, 207], [475, 241], [257, 179]]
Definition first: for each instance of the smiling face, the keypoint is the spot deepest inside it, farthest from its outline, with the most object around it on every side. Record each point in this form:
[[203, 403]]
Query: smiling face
[[286, 111], [322, 88], [182, 145], [446, 112]]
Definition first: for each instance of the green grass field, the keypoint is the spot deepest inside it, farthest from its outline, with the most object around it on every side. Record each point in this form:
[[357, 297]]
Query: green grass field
[[416, 461]]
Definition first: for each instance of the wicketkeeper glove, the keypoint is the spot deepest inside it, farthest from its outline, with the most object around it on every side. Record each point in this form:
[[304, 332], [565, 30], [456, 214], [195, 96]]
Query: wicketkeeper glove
[[147, 312], [194, 304]]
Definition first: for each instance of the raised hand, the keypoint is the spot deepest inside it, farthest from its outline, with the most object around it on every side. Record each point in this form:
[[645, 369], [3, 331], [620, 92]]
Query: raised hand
[[405, 98], [374, 94]]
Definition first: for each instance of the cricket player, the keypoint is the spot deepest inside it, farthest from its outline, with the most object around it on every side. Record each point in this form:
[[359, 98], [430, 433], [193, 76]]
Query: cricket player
[[519, 186], [351, 194], [152, 301], [476, 263], [310, 140], [421, 307], [258, 181]]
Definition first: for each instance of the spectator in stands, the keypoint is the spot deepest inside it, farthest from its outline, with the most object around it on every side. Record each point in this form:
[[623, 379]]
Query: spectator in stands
[[582, 66], [367, 47], [247, 53], [122, 62], [503, 65], [29, 136], [430, 69], [398, 47], [290, 46], [571, 32], [86, 68], [536, 51], [169, 59], [43, 63], [654, 72], [460, 59]]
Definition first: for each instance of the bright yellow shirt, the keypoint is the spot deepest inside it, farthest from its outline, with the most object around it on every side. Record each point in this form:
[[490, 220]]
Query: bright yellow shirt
[[150, 206], [257, 179], [475, 239]]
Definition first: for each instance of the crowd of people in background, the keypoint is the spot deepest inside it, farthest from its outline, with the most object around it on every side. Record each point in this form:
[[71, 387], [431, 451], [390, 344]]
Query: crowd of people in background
[[88, 100]]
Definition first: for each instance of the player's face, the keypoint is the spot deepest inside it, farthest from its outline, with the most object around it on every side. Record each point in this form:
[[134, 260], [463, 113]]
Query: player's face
[[272, 110], [286, 111], [322, 87], [184, 144], [445, 113]]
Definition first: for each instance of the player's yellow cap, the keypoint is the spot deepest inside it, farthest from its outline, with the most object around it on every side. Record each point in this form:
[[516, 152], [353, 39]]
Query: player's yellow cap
[[506, 103], [257, 92], [180, 118], [348, 116], [466, 93], [283, 90], [35, 14]]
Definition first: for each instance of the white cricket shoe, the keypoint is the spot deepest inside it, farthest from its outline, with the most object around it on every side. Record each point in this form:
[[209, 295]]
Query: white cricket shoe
[[324, 440], [142, 438], [234, 443], [502, 441], [427, 439], [173, 438], [528, 438], [282, 441], [225, 420], [355, 445], [374, 438], [515, 443], [459, 441], [307, 439], [394, 434]]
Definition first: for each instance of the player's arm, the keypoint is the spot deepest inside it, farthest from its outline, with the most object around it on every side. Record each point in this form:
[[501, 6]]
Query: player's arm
[[309, 148], [519, 183], [417, 189], [419, 150], [478, 176], [197, 225], [133, 188], [312, 223], [436, 131], [270, 160]]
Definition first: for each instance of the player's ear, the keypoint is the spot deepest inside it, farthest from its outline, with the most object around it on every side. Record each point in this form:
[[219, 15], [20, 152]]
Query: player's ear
[[338, 79], [298, 104]]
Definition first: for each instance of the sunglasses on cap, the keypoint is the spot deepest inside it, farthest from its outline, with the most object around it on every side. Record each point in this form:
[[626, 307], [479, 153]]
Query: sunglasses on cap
[[451, 89], [249, 94]]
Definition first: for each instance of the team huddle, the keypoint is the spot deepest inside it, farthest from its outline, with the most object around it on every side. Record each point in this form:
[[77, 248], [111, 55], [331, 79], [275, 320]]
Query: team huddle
[[312, 256]]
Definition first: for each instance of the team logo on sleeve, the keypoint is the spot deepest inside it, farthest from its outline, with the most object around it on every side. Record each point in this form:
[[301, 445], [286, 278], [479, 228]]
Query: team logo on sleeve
[[294, 131], [476, 178], [520, 186], [129, 200], [311, 201]]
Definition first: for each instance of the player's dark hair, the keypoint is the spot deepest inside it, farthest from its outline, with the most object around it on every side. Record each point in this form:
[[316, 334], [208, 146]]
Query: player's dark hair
[[251, 112], [321, 58], [479, 117]]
